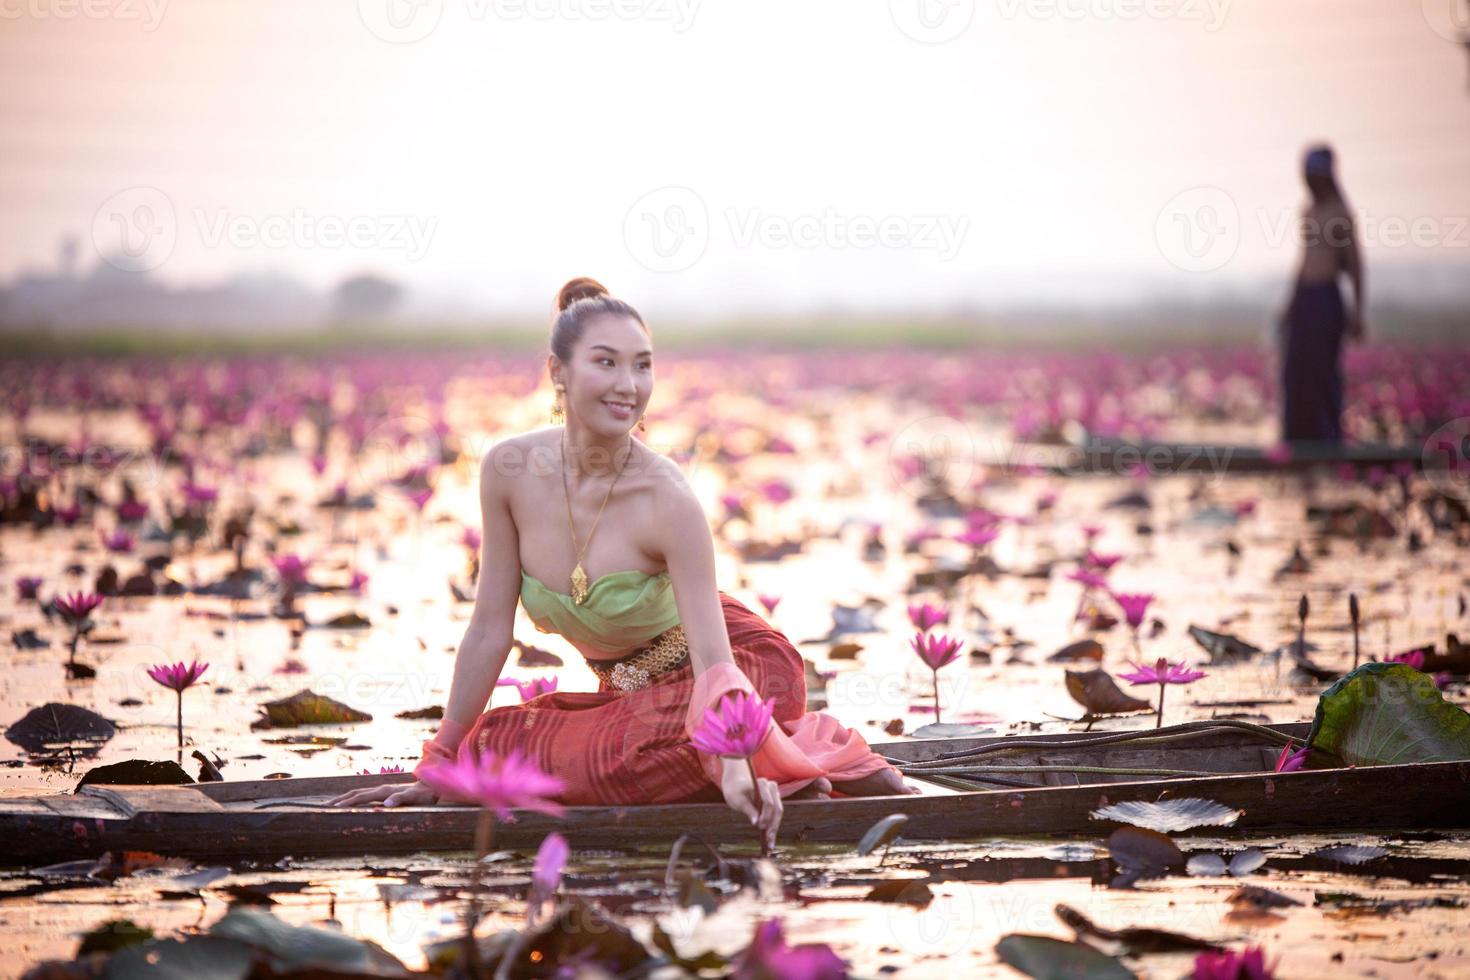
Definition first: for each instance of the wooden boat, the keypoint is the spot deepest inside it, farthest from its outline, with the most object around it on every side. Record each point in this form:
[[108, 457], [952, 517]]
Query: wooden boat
[[1019, 786]]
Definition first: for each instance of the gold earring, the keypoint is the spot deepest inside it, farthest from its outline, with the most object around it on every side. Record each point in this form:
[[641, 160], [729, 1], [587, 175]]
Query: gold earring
[[558, 417], [641, 426]]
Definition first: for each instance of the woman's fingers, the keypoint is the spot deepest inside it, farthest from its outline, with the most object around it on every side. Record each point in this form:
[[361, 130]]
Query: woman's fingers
[[771, 810], [358, 797]]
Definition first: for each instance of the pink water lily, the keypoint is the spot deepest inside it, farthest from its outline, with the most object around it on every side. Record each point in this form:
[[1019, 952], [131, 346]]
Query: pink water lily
[[178, 678], [551, 858], [75, 610], [382, 770], [1229, 965], [27, 586], [736, 727], [979, 536], [936, 650], [1163, 674], [925, 616], [1134, 606], [769, 958], [769, 602], [496, 783], [291, 568], [119, 542], [1289, 761], [471, 539], [1102, 563]]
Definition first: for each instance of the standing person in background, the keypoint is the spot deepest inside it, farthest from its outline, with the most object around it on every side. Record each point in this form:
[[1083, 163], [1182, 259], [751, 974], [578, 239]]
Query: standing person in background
[[1316, 322]]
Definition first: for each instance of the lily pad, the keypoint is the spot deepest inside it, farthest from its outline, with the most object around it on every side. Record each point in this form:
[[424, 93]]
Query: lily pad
[[1389, 714], [1246, 861], [195, 958], [53, 725], [951, 730], [1096, 691], [1142, 851], [1222, 647], [137, 772], [1056, 959], [287, 948], [1170, 816], [308, 708]]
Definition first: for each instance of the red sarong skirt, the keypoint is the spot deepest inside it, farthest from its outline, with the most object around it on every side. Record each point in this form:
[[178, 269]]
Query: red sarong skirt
[[614, 747]]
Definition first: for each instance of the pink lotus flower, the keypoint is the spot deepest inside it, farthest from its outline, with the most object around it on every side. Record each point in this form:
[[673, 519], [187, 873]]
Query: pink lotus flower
[[1279, 453], [769, 602], [471, 539], [68, 515], [119, 542], [1229, 965], [1289, 761], [1414, 658], [75, 608], [1134, 606], [496, 783], [736, 727], [777, 491], [1088, 579], [731, 503], [769, 958], [978, 536], [131, 511], [420, 497], [358, 583], [178, 678], [27, 586], [551, 858], [1102, 563], [936, 650], [1090, 532], [382, 770], [925, 616], [1162, 673], [291, 568], [535, 687]]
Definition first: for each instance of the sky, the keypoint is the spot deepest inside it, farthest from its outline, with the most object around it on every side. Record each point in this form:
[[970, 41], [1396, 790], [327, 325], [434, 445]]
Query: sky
[[712, 156]]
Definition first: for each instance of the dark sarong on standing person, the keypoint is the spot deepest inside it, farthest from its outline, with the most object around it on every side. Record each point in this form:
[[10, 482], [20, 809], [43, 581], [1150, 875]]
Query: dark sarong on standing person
[[1311, 363]]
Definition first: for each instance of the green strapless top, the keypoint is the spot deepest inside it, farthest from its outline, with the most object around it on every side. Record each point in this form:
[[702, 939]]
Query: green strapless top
[[623, 609]]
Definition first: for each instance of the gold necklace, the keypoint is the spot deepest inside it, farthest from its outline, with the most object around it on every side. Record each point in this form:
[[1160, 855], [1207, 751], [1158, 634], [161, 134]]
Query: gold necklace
[[579, 575]]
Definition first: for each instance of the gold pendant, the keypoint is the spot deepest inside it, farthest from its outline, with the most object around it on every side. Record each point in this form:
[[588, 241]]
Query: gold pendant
[[579, 585]]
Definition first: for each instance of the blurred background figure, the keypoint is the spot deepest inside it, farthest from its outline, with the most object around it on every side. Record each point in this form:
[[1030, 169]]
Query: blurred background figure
[[1316, 321]]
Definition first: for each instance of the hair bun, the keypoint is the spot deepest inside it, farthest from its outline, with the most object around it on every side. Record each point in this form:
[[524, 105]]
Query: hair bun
[[581, 287]]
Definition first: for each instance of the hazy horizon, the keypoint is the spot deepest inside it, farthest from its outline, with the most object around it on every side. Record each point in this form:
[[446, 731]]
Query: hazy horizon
[[697, 156]]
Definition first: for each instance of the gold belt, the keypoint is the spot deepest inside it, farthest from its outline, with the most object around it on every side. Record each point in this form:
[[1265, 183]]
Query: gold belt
[[664, 654]]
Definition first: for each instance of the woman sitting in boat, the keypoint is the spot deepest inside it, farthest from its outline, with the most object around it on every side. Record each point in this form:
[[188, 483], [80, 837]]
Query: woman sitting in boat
[[586, 508]]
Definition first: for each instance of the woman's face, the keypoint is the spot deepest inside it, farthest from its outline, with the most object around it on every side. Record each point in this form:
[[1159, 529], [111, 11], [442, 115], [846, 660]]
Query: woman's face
[[610, 377]]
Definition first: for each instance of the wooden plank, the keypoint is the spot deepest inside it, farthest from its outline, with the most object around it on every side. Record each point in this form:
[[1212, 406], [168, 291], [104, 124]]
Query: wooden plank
[[133, 800]]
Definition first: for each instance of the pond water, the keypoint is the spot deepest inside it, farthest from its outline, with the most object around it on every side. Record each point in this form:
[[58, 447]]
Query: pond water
[[833, 461]]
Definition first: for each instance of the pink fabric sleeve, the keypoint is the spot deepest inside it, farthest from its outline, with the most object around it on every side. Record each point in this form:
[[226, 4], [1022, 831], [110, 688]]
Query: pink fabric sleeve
[[444, 747], [796, 752]]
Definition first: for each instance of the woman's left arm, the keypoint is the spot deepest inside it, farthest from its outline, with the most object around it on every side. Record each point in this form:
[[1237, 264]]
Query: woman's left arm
[[688, 550]]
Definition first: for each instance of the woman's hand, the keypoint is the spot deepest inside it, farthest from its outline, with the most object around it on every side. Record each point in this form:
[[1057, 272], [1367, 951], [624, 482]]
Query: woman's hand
[[760, 802], [391, 794]]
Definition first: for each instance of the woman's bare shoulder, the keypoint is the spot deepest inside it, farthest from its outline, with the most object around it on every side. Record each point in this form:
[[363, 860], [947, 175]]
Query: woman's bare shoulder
[[527, 453]]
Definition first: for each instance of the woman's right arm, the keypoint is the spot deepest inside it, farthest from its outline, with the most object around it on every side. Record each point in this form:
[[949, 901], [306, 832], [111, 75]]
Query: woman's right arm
[[486, 644]]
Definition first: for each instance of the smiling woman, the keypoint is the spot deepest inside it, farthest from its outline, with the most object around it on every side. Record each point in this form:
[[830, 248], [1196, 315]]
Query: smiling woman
[[666, 644]]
